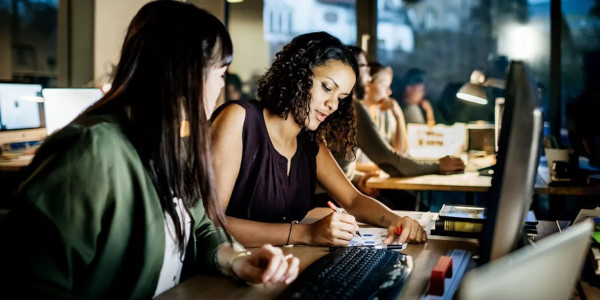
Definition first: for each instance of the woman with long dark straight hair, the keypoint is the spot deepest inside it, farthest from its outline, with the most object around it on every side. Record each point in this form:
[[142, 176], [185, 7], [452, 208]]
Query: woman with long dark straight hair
[[121, 200]]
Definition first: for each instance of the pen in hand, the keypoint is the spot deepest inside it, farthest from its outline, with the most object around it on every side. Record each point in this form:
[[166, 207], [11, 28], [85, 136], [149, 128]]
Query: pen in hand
[[398, 231], [337, 210]]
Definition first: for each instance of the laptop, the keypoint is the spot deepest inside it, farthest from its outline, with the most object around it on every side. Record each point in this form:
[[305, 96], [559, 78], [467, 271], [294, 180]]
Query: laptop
[[547, 269], [61, 106]]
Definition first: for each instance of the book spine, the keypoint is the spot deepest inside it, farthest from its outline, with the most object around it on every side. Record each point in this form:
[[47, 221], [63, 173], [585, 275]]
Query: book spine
[[458, 226]]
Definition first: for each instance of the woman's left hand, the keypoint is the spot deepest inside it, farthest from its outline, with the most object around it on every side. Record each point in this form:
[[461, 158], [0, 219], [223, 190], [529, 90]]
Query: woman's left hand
[[362, 184], [267, 264], [410, 231]]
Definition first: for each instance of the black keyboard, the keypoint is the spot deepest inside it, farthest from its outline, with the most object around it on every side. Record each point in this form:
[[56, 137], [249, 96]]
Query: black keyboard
[[352, 273]]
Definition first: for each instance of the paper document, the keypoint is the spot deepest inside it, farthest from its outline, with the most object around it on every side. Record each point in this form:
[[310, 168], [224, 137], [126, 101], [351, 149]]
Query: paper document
[[433, 143], [370, 237], [585, 214], [375, 235]]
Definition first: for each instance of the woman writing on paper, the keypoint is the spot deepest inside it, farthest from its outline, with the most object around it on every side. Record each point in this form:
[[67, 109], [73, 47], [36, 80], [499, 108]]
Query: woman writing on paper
[[375, 88], [269, 154]]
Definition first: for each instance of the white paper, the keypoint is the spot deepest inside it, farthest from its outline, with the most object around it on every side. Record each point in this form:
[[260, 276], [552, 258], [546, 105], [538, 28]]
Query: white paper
[[370, 237], [585, 214]]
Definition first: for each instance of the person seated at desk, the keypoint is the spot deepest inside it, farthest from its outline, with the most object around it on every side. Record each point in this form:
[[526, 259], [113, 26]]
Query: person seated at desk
[[416, 108], [119, 203], [370, 143], [384, 110], [270, 154]]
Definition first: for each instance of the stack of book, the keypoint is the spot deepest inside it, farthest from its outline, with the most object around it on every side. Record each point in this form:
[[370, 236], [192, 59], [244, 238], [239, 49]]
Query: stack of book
[[467, 221], [460, 221]]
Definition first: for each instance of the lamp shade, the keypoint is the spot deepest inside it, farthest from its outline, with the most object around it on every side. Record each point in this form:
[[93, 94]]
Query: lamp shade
[[472, 93]]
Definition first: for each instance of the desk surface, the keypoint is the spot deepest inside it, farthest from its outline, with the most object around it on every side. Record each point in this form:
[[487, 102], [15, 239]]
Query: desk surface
[[465, 182], [425, 257], [473, 182], [15, 164]]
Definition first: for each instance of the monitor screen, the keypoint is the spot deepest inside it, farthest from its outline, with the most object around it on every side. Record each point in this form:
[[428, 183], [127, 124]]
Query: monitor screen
[[19, 106], [516, 165], [61, 106]]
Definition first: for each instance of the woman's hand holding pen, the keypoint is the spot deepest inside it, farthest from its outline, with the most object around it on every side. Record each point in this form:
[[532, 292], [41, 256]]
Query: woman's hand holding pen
[[405, 230], [335, 229]]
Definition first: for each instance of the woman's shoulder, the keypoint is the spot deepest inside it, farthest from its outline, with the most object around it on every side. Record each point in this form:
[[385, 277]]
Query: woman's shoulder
[[237, 115], [90, 136], [237, 108], [102, 133], [91, 152]]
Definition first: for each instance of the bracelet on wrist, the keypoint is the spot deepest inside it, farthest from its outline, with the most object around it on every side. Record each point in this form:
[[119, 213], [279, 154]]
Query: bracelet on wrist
[[232, 258], [287, 243]]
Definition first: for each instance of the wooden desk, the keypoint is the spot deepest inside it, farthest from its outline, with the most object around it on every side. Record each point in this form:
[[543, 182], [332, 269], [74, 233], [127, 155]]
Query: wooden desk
[[15, 164], [465, 182], [472, 182], [542, 186], [425, 256]]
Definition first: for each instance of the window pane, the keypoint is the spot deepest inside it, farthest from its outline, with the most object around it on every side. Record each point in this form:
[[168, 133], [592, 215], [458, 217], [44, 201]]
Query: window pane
[[28, 41], [450, 39], [580, 89], [289, 18]]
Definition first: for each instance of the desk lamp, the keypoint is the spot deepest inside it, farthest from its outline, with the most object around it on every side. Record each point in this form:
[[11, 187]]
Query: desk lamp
[[472, 91]]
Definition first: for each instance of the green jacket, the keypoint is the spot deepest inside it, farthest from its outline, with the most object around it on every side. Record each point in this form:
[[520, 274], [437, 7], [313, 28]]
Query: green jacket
[[89, 224]]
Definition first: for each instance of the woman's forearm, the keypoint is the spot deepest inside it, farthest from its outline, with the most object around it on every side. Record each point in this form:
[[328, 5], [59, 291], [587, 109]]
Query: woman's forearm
[[368, 210], [400, 138], [397, 141], [254, 234]]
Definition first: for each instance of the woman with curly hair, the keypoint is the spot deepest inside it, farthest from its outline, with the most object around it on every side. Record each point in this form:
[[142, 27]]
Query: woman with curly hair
[[269, 154]]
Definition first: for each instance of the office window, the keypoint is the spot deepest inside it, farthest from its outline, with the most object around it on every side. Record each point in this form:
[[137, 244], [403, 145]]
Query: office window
[[259, 29], [285, 19], [580, 70], [28, 41], [450, 39]]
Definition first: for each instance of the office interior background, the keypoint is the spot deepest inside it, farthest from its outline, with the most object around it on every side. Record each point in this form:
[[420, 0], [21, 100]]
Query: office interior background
[[75, 43]]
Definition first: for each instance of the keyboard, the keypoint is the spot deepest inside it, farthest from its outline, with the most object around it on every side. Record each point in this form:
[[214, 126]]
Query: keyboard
[[353, 273]]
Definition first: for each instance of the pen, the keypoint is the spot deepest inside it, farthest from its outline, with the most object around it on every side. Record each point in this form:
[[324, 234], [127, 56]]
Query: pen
[[383, 247], [398, 230], [337, 210]]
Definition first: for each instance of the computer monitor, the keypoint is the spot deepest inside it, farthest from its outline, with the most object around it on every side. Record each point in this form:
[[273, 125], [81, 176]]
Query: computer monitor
[[516, 165], [547, 270], [61, 106], [20, 118], [19, 106]]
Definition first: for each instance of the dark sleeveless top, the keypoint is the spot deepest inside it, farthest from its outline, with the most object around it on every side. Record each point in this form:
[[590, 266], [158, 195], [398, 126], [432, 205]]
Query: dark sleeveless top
[[263, 191]]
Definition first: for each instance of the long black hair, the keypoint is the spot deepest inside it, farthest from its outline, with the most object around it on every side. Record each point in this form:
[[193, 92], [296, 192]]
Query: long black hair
[[159, 82], [286, 87]]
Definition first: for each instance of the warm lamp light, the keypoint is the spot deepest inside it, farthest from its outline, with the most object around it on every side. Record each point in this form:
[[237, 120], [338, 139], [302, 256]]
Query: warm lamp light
[[472, 91]]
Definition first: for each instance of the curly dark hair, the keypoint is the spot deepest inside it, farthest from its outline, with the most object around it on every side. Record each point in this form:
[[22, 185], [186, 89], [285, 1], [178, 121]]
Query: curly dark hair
[[286, 86]]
